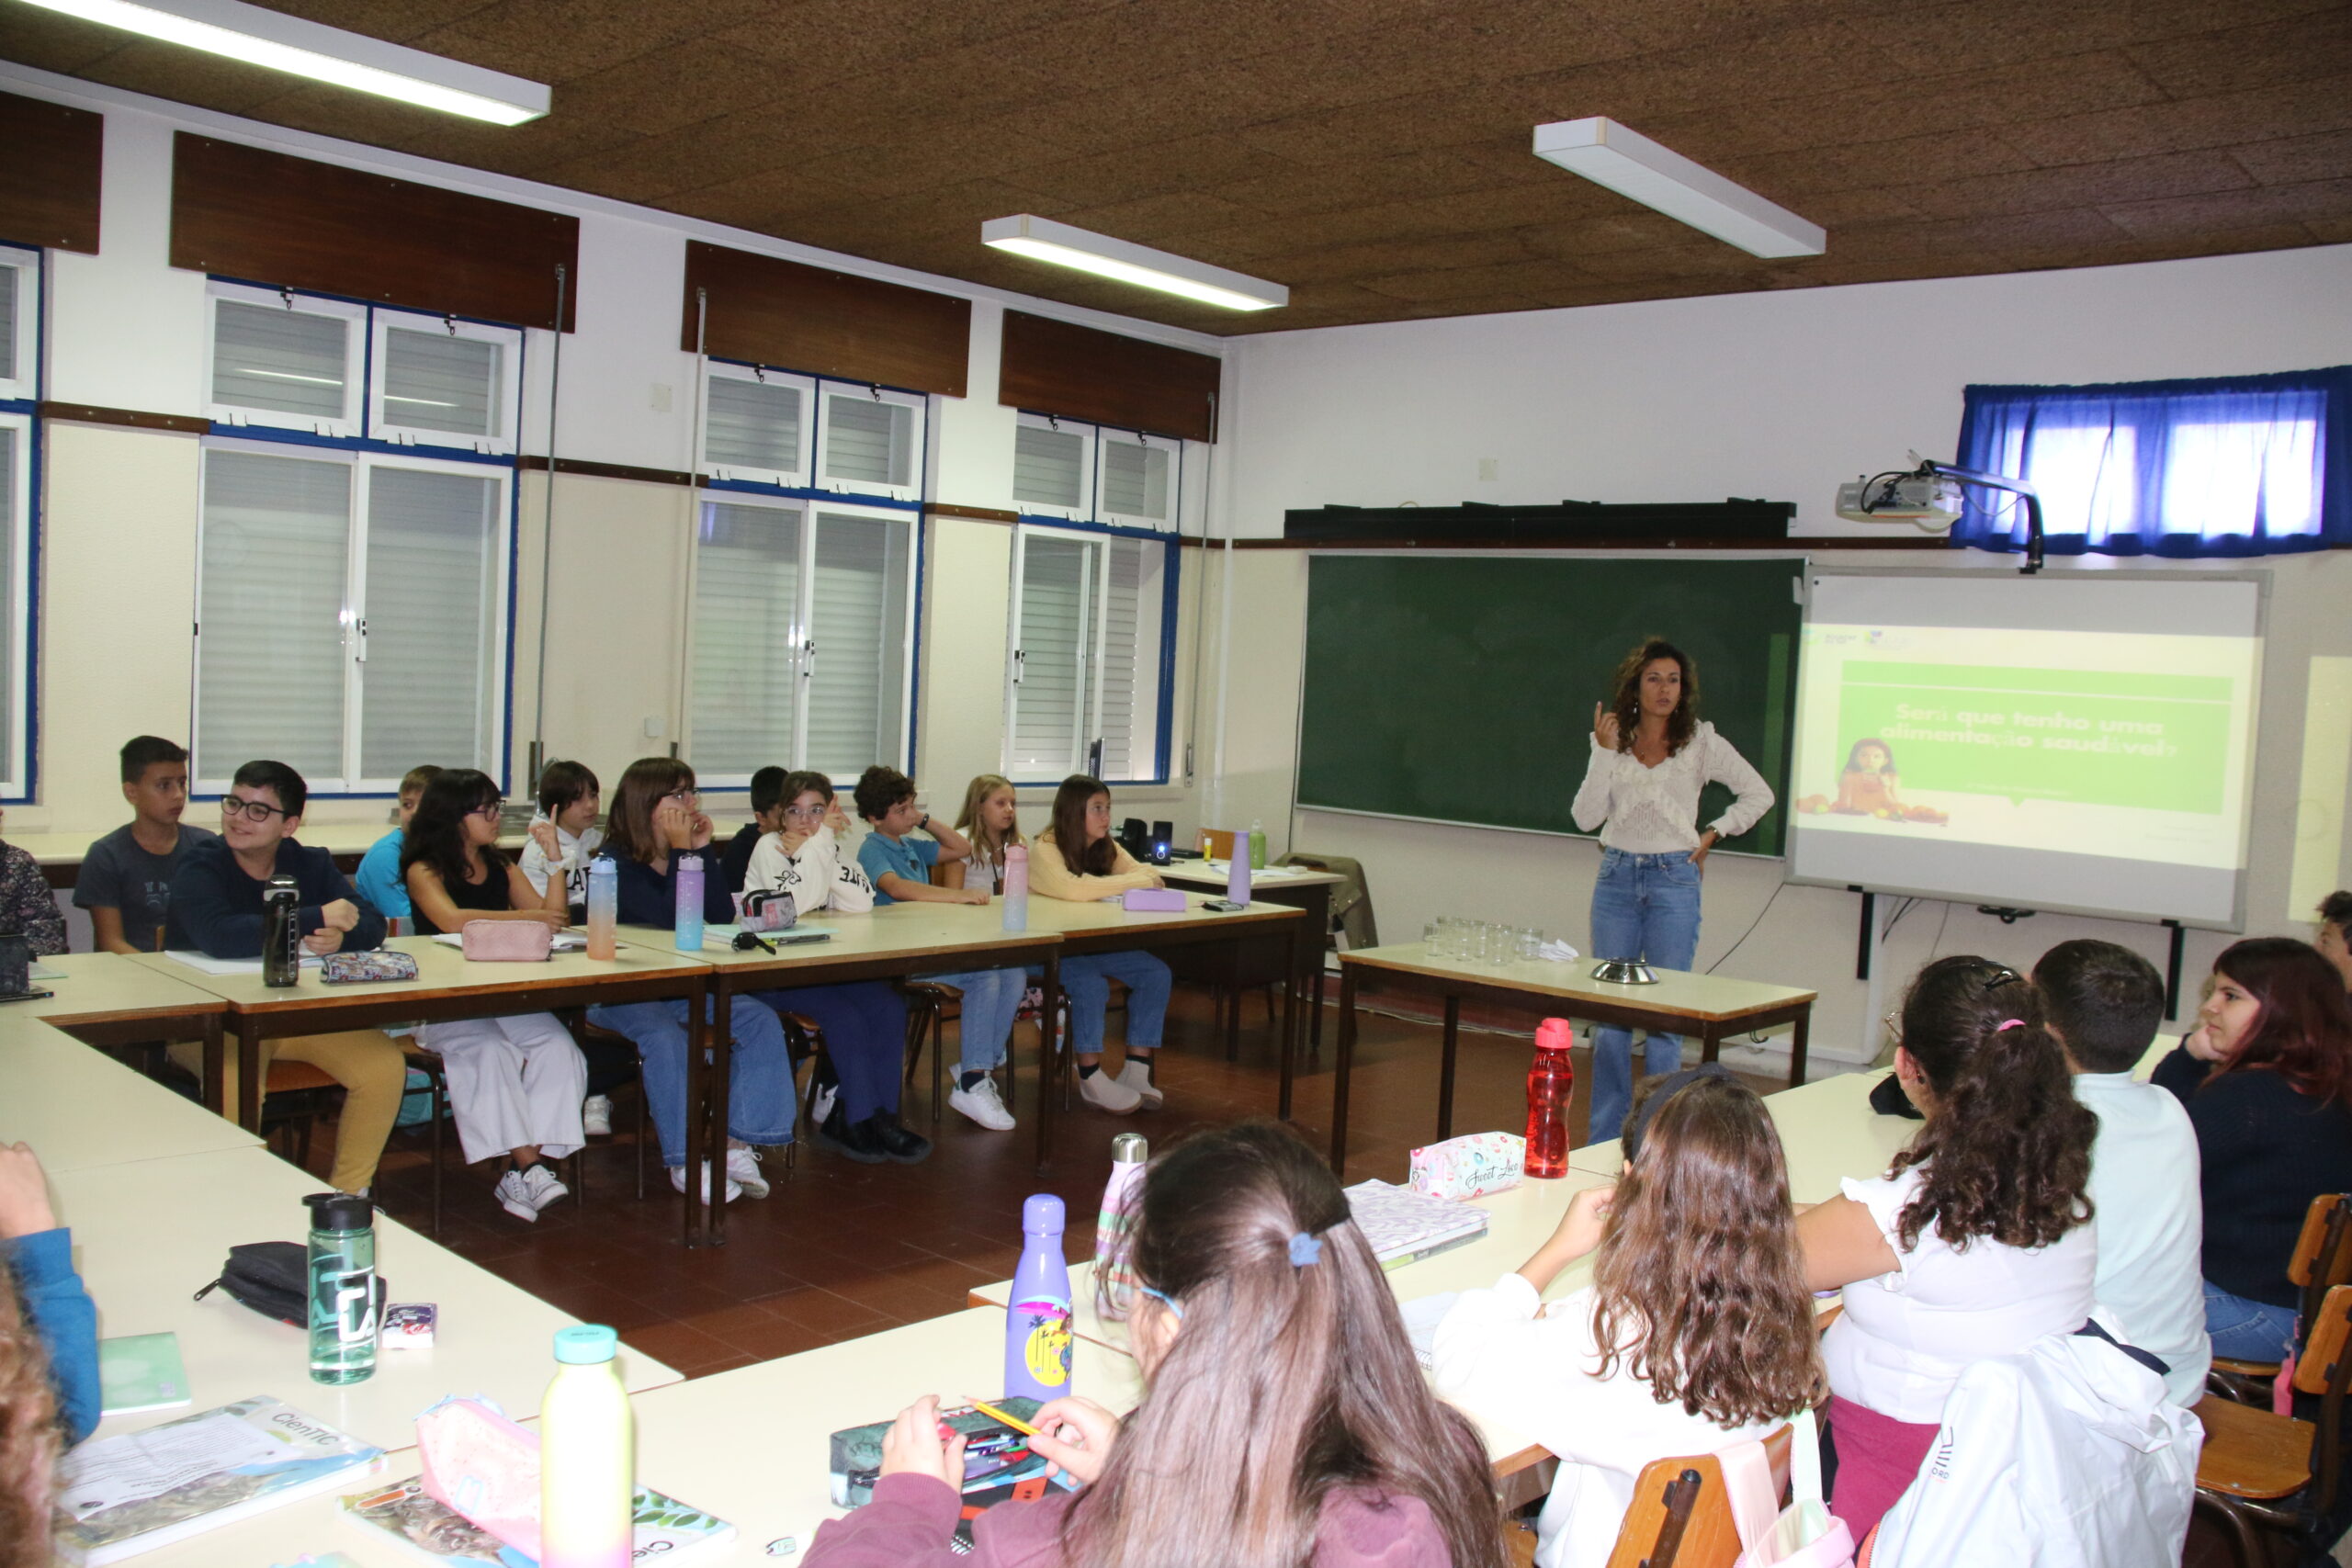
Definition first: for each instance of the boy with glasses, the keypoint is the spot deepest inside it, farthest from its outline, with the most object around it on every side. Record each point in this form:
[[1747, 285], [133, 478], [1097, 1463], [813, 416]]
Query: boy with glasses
[[379, 876], [126, 881], [216, 908]]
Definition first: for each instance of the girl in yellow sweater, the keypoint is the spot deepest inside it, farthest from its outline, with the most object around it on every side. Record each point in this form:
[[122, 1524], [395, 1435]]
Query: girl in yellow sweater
[[1077, 860]]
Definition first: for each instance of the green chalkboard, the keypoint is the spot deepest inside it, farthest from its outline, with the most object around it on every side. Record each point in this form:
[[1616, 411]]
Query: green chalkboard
[[1460, 689]]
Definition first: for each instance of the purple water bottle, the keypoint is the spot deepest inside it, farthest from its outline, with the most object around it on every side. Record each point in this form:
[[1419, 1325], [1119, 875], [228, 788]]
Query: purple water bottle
[[689, 933], [1237, 877], [1036, 1327]]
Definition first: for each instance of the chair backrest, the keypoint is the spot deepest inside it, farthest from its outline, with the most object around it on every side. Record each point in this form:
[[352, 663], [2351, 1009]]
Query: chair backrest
[[1681, 1515], [1216, 844], [2325, 1369], [2321, 1261]]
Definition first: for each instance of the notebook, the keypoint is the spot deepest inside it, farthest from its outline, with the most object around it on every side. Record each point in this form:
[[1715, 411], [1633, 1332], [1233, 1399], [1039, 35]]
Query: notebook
[[141, 1371], [1404, 1228]]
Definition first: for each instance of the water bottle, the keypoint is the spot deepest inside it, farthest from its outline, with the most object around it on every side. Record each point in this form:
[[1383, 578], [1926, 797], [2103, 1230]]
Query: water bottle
[[1016, 887], [603, 906], [343, 1287], [1237, 876], [1036, 1327], [1114, 1279], [1550, 1082], [587, 1475], [281, 931], [1257, 846], [689, 937]]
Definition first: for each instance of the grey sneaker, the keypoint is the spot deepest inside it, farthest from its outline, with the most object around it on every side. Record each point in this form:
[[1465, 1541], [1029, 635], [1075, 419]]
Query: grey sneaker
[[1105, 1092], [983, 1104], [544, 1185], [702, 1189], [743, 1170], [1137, 1076], [514, 1195], [596, 1116]]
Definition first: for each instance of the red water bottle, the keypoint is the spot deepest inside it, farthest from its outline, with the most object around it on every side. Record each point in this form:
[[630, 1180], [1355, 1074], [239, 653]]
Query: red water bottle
[[1551, 1083]]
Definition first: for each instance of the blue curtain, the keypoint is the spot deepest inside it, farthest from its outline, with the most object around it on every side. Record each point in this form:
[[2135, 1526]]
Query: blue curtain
[[2233, 466]]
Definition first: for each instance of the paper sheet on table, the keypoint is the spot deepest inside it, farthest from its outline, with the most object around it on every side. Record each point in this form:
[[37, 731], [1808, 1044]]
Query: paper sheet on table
[[1422, 1315], [40, 971], [565, 941], [1258, 874], [204, 965], [140, 1465]]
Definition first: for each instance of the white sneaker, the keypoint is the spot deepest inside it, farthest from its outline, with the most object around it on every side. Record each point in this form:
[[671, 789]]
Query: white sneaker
[[983, 1104], [821, 1104], [596, 1116], [743, 1171], [1105, 1092], [544, 1185], [1137, 1077], [514, 1195], [678, 1181]]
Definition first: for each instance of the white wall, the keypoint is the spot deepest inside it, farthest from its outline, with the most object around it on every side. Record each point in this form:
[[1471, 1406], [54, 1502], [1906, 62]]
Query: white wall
[[1778, 396]]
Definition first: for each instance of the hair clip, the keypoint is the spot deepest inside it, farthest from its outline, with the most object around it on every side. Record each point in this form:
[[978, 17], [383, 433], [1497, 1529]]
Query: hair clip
[[1164, 1300], [2001, 975], [2008, 1023], [1305, 1249]]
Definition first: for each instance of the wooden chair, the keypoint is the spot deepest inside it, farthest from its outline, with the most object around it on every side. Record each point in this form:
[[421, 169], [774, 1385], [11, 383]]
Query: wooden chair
[[1681, 1515], [293, 1097], [1216, 844], [2323, 1260], [2262, 1472], [429, 1063]]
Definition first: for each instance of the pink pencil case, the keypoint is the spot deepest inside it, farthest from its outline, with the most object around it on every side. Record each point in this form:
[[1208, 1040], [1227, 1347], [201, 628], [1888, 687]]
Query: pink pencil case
[[503, 941], [1155, 900], [477, 1462]]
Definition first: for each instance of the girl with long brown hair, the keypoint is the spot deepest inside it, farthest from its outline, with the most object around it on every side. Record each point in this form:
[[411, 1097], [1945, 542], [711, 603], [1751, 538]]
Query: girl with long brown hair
[[1078, 859], [1974, 1243], [2266, 1079], [1285, 1421], [1696, 1331]]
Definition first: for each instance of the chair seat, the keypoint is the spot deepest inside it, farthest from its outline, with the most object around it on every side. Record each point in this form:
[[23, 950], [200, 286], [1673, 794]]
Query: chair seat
[[290, 1078], [2252, 1453], [2237, 1369]]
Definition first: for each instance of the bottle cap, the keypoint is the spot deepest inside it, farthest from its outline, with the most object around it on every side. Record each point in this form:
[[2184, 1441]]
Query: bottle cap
[[585, 1344], [340, 1211], [1041, 1215], [1130, 1148], [1553, 1034], [1015, 852], [688, 858]]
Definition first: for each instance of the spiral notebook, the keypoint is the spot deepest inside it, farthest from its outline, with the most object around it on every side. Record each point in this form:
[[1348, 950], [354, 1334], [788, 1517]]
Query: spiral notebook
[[1404, 1226]]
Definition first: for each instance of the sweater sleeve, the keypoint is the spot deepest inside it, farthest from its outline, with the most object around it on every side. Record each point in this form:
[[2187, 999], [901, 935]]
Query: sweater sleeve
[[1752, 796], [27, 904], [2180, 1073], [1051, 877], [67, 1321], [372, 928], [912, 1519], [203, 907], [1590, 808]]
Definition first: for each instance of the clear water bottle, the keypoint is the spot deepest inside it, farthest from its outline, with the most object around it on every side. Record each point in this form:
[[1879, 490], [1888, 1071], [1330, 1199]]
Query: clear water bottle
[[1037, 1325], [1114, 1279], [587, 1472], [603, 906], [342, 1288], [689, 935], [281, 931], [1016, 887], [1551, 1083]]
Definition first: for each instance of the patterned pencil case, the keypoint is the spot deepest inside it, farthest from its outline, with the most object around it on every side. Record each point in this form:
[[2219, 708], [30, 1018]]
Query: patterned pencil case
[[353, 968]]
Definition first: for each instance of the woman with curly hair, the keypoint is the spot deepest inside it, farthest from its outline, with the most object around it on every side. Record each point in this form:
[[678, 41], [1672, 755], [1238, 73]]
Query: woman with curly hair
[[30, 1442], [1974, 1243], [2267, 1078], [1697, 1329]]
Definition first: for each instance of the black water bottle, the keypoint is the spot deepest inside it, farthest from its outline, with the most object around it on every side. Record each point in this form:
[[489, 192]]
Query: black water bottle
[[281, 935]]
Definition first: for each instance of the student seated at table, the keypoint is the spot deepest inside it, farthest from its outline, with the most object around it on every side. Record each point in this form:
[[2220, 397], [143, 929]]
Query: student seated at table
[[2335, 942], [1287, 1421], [515, 1084], [37, 1270], [656, 818], [1076, 859], [126, 880], [2266, 1079], [217, 909], [767, 817], [2103, 1003], [990, 823], [378, 877], [569, 799], [1696, 1332], [27, 905], [900, 867], [864, 1022], [1975, 1243]]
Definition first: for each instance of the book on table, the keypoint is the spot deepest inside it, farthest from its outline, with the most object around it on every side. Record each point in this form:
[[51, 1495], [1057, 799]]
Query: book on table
[[141, 1371], [1405, 1226], [404, 1514]]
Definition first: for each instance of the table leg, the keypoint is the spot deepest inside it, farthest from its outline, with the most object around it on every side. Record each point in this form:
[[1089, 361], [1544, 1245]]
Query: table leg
[[1048, 1059], [722, 1076], [1445, 1079], [249, 1072], [1289, 1043], [1799, 1033], [1709, 1047], [698, 1105], [1341, 1067], [216, 1066]]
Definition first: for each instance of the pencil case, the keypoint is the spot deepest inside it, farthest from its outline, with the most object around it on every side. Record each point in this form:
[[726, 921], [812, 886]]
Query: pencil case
[[475, 1462], [505, 942], [1155, 900], [1470, 1166], [352, 968]]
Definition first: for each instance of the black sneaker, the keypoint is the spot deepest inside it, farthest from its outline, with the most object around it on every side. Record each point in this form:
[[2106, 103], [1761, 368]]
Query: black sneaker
[[906, 1147], [851, 1140]]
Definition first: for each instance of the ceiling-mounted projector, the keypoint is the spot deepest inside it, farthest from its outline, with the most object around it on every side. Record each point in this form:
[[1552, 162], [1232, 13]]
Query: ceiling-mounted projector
[[1927, 499]]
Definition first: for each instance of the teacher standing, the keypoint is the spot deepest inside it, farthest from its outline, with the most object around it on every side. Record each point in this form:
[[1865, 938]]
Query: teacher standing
[[1651, 756]]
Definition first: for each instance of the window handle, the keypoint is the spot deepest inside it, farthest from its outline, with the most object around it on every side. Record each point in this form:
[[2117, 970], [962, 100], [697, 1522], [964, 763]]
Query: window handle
[[809, 659], [361, 629], [1020, 662]]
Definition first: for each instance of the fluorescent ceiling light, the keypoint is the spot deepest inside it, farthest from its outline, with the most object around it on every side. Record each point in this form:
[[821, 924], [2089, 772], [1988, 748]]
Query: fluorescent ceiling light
[[1042, 239], [1632, 165], [259, 36]]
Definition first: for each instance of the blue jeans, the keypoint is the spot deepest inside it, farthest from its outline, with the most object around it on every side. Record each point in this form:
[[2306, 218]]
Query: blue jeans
[[991, 1001], [866, 1035], [1086, 981], [759, 1086], [1645, 907], [2246, 1331]]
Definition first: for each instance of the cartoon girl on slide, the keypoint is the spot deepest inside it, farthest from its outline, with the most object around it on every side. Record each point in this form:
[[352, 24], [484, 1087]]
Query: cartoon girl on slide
[[1869, 787]]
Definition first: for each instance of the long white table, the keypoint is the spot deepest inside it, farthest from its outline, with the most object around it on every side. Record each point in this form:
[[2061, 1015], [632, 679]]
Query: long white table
[[79, 1108]]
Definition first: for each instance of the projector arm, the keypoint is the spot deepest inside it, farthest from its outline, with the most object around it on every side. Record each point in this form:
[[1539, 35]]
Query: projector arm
[[2002, 482]]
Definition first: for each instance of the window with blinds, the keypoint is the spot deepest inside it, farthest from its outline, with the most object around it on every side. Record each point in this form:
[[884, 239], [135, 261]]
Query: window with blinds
[[747, 636], [285, 360], [756, 425], [1087, 473], [869, 441], [15, 600], [1088, 645], [445, 383], [429, 633], [1139, 481], [20, 309], [1053, 466]]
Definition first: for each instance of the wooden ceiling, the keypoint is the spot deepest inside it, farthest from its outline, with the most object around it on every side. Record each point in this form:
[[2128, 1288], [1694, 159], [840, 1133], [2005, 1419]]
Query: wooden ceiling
[[1373, 155]]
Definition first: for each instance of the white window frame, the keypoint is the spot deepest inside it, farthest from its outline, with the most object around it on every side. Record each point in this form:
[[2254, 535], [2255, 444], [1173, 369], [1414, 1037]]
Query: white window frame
[[1085, 511], [350, 423], [917, 435], [16, 753], [354, 615], [806, 653], [21, 381], [725, 370], [383, 421], [1108, 436], [1088, 721]]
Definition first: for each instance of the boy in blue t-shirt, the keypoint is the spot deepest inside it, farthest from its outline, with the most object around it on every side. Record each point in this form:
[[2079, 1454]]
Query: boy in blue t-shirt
[[899, 868], [379, 876]]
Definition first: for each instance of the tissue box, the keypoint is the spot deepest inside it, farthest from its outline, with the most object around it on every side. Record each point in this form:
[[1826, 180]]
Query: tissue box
[[476, 1462], [1157, 900], [1470, 1166]]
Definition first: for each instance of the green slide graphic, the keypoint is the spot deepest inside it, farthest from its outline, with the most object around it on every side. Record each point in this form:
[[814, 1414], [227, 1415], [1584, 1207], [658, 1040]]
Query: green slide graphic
[[2151, 742]]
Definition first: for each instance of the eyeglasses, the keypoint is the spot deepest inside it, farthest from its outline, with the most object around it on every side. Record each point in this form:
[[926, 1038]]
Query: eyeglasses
[[805, 811], [251, 810], [488, 808], [685, 796]]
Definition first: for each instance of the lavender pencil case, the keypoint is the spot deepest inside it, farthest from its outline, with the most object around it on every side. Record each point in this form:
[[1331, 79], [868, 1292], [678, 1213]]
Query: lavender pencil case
[[1155, 900]]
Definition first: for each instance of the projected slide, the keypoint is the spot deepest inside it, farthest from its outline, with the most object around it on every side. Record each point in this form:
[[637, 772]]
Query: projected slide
[[2080, 743]]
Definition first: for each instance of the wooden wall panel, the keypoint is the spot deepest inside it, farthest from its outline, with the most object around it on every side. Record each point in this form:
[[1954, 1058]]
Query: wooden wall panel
[[1076, 372], [270, 217], [770, 311], [49, 173]]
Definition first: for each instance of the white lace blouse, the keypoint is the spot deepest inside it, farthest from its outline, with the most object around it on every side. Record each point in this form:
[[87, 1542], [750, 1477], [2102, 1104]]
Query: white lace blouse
[[1654, 811]]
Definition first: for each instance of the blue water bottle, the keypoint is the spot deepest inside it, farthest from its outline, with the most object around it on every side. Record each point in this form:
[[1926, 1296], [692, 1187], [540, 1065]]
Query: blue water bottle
[[689, 937], [1037, 1325]]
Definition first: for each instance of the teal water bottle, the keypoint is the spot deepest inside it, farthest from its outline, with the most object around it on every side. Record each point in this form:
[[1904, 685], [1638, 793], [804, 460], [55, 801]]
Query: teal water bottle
[[342, 1288]]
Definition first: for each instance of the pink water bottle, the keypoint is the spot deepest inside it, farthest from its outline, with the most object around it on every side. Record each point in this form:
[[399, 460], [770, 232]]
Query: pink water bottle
[[1016, 887], [1550, 1084]]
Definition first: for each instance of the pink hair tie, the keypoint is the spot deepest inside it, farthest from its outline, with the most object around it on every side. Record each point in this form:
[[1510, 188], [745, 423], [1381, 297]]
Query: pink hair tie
[[2008, 1023]]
